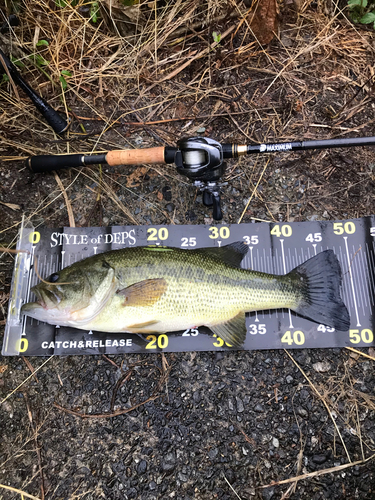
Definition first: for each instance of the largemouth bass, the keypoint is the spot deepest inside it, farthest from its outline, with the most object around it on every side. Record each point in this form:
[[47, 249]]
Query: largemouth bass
[[162, 289]]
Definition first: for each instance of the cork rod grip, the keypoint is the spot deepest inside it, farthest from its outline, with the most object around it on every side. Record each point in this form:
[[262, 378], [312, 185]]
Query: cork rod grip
[[136, 156]]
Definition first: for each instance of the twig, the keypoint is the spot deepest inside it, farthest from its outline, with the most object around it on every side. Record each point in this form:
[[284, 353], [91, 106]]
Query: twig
[[37, 448], [67, 201], [30, 367], [324, 402], [318, 472], [20, 492], [231, 487], [105, 415], [252, 194], [361, 353], [124, 378], [26, 379]]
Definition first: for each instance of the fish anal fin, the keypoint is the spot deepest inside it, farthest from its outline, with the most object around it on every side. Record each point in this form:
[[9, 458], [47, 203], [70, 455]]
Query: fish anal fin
[[143, 293], [233, 331]]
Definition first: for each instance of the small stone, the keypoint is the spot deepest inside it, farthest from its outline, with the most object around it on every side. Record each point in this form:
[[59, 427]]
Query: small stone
[[322, 366], [289, 379], [167, 193], [170, 207], [268, 493], [259, 408], [152, 485], [240, 407], [213, 453], [182, 477], [319, 459], [302, 412], [169, 462], [229, 474], [142, 467], [275, 442]]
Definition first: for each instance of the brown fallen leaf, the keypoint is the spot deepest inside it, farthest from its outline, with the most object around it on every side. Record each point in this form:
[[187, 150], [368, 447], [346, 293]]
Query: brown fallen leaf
[[264, 20], [12, 206]]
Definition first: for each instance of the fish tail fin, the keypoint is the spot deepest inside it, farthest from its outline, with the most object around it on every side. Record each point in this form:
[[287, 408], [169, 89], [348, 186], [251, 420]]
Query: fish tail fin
[[319, 279]]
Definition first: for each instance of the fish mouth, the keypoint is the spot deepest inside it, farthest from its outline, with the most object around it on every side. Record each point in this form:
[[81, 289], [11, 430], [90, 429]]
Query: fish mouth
[[46, 298], [41, 313], [46, 306]]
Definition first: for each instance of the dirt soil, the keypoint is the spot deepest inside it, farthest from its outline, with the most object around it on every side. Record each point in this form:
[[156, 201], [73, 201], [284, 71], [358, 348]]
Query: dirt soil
[[218, 425]]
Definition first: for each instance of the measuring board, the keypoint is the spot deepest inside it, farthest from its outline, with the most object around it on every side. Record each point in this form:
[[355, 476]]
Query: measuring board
[[273, 248]]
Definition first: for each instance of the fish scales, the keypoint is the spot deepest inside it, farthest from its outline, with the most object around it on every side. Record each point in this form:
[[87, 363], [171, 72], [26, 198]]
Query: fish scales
[[200, 286], [161, 289]]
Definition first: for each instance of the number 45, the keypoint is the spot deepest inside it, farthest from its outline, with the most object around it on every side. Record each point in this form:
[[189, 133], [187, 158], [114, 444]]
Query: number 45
[[314, 237]]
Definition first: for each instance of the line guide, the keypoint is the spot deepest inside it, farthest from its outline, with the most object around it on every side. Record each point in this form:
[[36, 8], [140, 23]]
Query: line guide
[[273, 248]]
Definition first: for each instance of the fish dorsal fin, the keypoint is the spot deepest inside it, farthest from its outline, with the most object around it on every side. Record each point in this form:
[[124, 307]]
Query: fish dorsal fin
[[143, 293], [233, 331], [231, 254]]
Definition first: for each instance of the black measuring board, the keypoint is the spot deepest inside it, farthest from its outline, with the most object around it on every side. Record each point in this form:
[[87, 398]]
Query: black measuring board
[[274, 248]]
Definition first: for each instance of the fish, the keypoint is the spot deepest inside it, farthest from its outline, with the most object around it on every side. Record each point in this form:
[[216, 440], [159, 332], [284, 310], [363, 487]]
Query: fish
[[165, 289]]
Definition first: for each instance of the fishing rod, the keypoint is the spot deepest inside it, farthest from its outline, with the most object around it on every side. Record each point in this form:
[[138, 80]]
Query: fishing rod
[[201, 159], [57, 122]]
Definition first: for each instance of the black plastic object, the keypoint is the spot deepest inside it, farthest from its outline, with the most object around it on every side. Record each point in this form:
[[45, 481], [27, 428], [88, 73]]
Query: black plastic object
[[201, 160], [47, 163], [57, 122], [11, 21], [198, 155], [282, 147]]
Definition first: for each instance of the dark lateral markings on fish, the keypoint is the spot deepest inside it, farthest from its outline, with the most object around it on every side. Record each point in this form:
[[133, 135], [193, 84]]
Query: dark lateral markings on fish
[[191, 288]]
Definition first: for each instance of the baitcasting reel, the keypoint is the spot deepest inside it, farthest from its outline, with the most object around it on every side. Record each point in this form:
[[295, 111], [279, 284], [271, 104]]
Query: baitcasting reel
[[201, 160]]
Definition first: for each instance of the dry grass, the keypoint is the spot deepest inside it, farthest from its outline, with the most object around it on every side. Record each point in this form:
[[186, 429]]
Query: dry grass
[[114, 92]]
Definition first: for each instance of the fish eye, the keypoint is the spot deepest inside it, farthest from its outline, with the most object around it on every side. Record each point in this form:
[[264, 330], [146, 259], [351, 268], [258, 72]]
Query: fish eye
[[53, 278]]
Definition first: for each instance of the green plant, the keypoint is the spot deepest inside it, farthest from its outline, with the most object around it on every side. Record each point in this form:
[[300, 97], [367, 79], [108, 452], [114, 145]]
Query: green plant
[[94, 11], [358, 14], [216, 36], [63, 82]]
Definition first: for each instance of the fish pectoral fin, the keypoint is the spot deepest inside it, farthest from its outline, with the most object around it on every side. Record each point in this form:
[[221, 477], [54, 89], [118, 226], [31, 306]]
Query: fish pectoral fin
[[233, 331], [144, 293]]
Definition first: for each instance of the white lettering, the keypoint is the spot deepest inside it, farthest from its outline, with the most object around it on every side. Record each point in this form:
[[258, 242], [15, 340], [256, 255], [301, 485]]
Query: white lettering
[[279, 147], [54, 239], [88, 344], [132, 236]]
